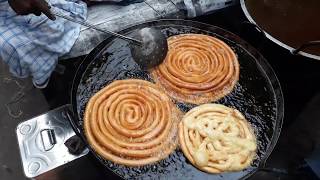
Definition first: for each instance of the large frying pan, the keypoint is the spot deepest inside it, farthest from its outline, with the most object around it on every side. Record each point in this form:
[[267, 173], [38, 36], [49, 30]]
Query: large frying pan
[[292, 24], [257, 95]]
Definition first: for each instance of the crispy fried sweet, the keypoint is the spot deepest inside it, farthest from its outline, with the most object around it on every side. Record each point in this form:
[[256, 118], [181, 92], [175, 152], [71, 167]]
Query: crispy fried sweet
[[217, 139], [131, 122], [198, 69]]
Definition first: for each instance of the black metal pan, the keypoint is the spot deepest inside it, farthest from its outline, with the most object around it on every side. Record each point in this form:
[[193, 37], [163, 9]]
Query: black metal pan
[[257, 95]]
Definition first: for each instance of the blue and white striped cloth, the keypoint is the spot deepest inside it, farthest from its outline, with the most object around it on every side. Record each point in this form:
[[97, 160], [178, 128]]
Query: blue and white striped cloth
[[31, 45]]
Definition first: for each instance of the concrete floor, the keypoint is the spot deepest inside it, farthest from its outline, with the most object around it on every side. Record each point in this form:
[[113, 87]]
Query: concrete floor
[[27, 102]]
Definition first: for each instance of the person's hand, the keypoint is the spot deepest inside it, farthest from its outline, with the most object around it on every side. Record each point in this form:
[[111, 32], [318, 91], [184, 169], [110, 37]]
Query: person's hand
[[24, 7]]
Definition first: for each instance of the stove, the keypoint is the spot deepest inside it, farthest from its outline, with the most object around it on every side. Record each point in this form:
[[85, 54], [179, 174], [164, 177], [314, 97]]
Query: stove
[[299, 77]]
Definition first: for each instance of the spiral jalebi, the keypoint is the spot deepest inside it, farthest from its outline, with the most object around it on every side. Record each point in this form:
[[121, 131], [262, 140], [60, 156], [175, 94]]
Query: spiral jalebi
[[217, 139], [131, 122], [197, 69]]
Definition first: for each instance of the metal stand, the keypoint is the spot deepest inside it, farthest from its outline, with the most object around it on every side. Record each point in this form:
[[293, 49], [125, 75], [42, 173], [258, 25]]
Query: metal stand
[[41, 142]]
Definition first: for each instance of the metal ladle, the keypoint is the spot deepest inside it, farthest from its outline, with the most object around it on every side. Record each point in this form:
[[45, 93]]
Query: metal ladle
[[148, 49]]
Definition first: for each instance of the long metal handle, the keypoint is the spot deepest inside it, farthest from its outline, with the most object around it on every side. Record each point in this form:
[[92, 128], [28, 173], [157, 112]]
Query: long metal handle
[[305, 46], [137, 42]]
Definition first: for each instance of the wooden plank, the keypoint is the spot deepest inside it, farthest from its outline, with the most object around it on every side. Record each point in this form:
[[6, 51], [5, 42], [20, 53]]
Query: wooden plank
[[164, 8], [115, 18]]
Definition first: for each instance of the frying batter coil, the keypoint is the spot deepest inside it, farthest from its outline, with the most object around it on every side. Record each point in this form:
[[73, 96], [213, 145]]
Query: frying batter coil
[[198, 69], [217, 139], [131, 122]]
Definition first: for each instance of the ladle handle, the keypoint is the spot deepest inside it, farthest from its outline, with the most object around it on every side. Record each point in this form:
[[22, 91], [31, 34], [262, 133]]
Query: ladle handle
[[97, 28], [305, 46]]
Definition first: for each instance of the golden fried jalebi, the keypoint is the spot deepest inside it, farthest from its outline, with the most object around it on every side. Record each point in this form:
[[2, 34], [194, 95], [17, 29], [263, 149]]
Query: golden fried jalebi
[[198, 69], [131, 122], [217, 139]]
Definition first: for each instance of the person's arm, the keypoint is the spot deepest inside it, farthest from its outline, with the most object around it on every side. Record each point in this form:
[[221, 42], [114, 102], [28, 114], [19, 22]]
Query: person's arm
[[24, 7]]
